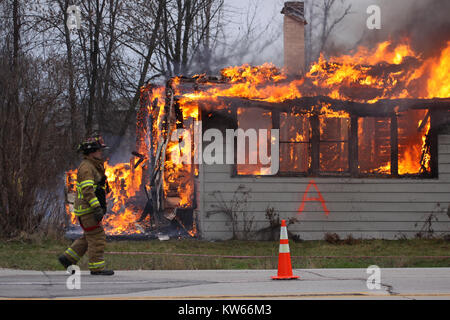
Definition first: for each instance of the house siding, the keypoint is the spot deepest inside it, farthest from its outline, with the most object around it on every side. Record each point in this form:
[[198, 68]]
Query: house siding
[[365, 208]]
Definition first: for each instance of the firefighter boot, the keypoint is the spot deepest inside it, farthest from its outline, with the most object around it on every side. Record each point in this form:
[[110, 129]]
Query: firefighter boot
[[66, 263], [102, 273]]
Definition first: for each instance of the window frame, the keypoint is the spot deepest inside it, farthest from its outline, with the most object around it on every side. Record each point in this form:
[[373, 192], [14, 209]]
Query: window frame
[[353, 166]]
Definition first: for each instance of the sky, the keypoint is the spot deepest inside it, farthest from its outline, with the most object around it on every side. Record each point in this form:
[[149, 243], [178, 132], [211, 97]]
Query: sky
[[268, 20], [268, 14], [424, 20]]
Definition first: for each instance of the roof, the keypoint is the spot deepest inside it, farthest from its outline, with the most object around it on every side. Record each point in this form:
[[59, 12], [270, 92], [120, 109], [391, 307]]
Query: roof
[[295, 10], [381, 108]]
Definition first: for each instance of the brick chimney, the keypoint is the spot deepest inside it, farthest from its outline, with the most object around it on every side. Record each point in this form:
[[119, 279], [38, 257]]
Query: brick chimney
[[294, 37]]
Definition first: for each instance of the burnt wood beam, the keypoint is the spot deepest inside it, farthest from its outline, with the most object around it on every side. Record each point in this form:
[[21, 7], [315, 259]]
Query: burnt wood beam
[[433, 136], [275, 119], [353, 146], [315, 144], [384, 107], [394, 145], [234, 170], [424, 121]]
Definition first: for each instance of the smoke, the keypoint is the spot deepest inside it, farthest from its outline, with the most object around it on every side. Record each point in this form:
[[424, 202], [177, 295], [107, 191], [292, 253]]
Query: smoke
[[425, 22], [122, 153]]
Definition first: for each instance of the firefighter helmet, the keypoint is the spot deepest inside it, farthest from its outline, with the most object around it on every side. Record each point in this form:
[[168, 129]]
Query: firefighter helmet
[[92, 144]]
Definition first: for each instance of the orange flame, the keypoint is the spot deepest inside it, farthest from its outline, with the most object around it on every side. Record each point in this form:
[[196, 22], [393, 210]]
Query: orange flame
[[387, 71], [439, 81]]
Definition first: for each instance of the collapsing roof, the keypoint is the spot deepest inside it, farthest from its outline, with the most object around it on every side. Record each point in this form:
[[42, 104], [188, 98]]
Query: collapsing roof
[[357, 106]]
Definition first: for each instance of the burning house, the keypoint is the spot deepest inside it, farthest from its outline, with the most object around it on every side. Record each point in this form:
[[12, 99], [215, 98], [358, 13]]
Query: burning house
[[363, 148]]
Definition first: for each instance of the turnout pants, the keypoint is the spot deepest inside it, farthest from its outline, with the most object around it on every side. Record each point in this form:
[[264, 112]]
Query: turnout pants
[[93, 242]]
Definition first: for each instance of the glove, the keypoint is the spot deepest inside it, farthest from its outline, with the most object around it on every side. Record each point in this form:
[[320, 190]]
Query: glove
[[99, 212]]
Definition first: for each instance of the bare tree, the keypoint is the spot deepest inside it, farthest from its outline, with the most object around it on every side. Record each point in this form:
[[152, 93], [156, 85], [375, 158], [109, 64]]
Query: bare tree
[[251, 38], [32, 132], [323, 17], [142, 42], [181, 32], [187, 30], [59, 84], [327, 24]]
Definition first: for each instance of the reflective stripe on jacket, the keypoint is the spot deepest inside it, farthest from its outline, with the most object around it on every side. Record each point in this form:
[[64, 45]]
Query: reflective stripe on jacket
[[89, 175]]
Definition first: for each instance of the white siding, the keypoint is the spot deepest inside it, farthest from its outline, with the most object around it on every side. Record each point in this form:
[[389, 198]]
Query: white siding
[[364, 208]]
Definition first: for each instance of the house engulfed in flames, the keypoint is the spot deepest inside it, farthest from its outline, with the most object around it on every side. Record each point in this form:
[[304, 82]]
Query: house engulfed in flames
[[364, 148]]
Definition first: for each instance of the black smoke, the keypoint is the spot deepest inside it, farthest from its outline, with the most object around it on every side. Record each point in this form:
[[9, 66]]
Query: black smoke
[[428, 26]]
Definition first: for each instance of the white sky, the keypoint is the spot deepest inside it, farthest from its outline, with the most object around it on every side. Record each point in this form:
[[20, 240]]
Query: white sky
[[351, 29], [267, 14]]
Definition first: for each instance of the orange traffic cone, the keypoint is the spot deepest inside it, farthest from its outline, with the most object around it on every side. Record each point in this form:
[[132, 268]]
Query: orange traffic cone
[[284, 256]]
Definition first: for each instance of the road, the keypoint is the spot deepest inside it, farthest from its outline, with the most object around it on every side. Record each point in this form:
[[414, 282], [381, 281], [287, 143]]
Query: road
[[405, 283]]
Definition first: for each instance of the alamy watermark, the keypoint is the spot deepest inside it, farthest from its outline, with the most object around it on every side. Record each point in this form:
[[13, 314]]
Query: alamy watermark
[[374, 20], [74, 280], [234, 146], [73, 18], [374, 280]]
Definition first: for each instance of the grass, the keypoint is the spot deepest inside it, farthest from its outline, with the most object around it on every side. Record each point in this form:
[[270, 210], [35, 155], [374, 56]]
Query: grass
[[40, 254]]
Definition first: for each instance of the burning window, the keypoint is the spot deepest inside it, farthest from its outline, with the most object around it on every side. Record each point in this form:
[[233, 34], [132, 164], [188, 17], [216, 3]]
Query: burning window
[[393, 144], [253, 121], [413, 155], [379, 144], [306, 139], [374, 145], [295, 147], [334, 144]]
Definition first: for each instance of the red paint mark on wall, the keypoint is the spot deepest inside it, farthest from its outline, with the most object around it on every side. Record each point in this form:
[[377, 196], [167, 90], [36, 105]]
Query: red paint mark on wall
[[318, 198]]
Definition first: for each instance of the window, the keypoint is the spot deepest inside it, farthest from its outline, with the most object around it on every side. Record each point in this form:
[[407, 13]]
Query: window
[[374, 145], [251, 120], [334, 144], [413, 125], [327, 145], [295, 135]]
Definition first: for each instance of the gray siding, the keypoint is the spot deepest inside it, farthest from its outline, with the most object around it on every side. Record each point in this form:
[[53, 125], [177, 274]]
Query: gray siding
[[364, 208]]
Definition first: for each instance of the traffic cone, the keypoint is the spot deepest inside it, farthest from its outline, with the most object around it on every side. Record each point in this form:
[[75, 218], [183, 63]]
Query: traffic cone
[[284, 256]]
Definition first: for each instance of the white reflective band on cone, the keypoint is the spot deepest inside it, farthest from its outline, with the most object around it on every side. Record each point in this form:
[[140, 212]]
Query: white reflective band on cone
[[284, 248], [283, 233]]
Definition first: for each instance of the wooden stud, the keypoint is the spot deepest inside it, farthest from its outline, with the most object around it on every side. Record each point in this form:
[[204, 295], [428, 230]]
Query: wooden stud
[[394, 145], [434, 122], [315, 144], [353, 146]]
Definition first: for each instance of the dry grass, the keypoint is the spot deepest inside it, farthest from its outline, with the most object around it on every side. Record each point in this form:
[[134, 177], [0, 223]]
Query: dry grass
[[40, 254]]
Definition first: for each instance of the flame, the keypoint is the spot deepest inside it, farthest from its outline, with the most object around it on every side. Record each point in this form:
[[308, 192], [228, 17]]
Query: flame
[[122, 222], [362, 76], [413, 154], [71, 180], [327, 112], [125, 184], [255, 75], [384, 52], [387, 71], [439, 82]]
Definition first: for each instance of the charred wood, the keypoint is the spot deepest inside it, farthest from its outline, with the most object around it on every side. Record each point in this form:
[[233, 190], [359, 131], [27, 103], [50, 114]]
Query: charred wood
[[381, 108]]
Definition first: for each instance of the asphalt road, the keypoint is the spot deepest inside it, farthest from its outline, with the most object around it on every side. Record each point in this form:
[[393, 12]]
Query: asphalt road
[[407, 283]]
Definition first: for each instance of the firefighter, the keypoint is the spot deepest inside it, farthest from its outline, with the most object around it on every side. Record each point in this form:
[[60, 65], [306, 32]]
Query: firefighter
[[90, 207]]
